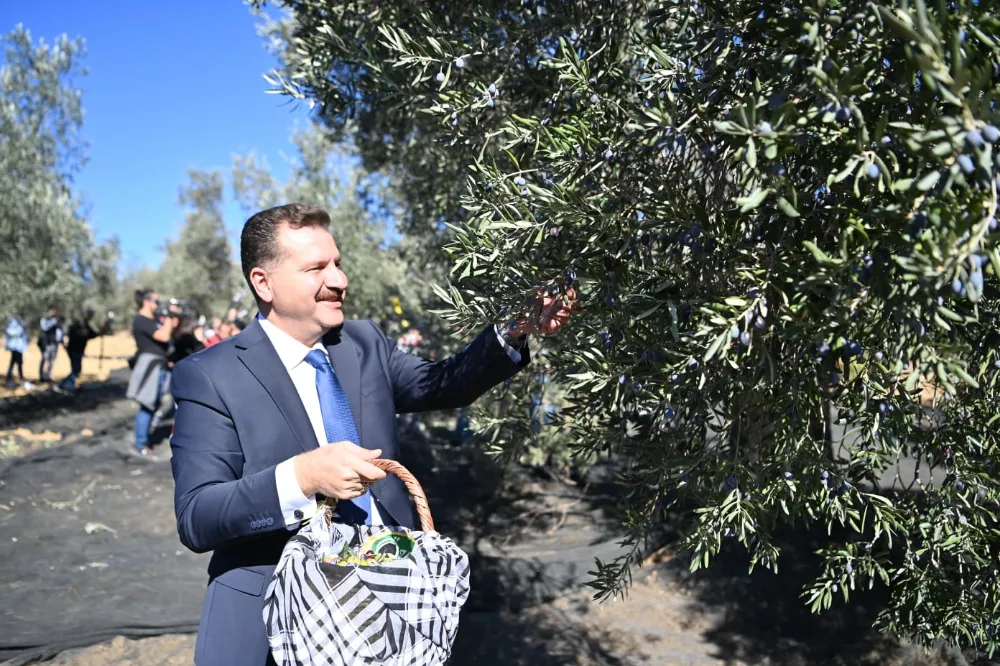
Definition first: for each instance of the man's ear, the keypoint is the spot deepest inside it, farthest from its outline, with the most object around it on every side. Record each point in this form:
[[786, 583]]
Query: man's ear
[[261, 282]]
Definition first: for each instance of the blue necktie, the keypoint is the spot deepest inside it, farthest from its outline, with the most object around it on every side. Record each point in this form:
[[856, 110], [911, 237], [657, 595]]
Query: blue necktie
[[338, 421]]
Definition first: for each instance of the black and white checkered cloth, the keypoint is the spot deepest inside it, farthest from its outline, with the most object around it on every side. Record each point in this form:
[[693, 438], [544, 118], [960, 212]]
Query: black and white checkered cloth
[[399, 613]]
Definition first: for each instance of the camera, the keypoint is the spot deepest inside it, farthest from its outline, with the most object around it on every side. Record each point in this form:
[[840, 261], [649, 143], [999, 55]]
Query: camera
[[174, 307], [109, 323]]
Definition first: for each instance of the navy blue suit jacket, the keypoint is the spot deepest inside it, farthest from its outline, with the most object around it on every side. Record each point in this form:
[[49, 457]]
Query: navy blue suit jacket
[[239, 415]]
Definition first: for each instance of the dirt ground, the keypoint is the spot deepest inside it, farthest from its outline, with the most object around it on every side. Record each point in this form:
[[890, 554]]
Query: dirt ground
[[175, 650], [103, 356]]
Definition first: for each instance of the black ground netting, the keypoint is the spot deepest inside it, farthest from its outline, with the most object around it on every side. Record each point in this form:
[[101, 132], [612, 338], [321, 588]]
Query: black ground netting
[[89, 549], [43, 404]]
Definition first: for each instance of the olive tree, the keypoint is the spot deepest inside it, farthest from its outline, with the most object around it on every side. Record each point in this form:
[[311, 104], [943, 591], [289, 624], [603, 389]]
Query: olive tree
[[48, 254], [781, 217], [197, 264]]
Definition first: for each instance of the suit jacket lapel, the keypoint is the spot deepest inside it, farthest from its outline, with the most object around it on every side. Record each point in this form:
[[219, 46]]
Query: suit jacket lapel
[[344, 359], [258, 355]]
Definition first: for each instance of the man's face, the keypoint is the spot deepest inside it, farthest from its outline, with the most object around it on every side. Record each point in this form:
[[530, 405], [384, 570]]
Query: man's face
[[151, 301], [305, 286]]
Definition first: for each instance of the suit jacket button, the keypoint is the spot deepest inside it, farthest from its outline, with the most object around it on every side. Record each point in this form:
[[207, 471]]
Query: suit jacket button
[[253, 524], [298, 514], [270, 521]]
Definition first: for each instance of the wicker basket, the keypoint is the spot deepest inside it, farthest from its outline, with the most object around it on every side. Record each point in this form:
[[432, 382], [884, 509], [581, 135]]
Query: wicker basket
[[346, 594]]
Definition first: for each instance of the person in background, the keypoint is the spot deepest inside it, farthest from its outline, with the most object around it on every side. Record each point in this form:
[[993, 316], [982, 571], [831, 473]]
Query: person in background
[[152, 340], [211, 333], [185, 340], [16, 342], [199, 330], [79, 333], [50, 336], [409, 342], [166, 407], [237, 318], [226, 330]]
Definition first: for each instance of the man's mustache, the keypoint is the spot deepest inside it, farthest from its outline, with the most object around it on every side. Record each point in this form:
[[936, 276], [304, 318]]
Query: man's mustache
[[330, 295]]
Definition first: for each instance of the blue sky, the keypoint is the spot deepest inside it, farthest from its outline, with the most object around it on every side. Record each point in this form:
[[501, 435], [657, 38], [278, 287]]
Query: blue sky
[[171, 86]]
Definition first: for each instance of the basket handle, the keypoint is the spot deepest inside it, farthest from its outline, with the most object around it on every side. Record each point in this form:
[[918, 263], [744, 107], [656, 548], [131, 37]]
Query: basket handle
[[412, 486]]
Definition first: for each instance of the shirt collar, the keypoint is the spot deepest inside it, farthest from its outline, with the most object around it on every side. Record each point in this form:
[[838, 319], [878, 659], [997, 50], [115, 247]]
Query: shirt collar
[[290, 351]]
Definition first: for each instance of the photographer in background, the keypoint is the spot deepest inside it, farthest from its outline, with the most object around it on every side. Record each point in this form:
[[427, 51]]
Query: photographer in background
[[80, 332], [152, 329]]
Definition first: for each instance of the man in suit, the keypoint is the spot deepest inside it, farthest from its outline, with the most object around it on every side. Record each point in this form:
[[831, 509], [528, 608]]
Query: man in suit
[[296, 406]]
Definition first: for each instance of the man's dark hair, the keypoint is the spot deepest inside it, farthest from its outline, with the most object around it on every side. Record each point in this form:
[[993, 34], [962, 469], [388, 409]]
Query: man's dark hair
[[259, 240], [141, 295]]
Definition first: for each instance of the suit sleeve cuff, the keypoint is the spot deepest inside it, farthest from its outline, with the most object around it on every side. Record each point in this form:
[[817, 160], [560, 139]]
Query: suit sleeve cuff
[[295, 507], [512, 353]]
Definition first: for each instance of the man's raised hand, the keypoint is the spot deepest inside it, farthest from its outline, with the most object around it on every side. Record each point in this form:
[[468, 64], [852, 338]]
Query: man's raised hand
[[550, 310]]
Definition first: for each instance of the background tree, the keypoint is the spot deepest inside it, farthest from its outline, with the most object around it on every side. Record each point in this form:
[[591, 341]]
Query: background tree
[[197, 266], [105, 290], [47, 250], [323, 175], [776, 210]]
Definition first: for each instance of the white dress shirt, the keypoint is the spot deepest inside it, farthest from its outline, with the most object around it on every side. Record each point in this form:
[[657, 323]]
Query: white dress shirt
[[296, 507]]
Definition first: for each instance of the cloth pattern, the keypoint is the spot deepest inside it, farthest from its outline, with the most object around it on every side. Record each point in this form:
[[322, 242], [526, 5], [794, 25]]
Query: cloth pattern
[[340, 426], [401, 612]]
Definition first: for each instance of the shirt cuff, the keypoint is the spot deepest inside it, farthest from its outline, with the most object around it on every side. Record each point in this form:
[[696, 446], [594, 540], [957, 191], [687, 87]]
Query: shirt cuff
[[514, 354], [295, 507]]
